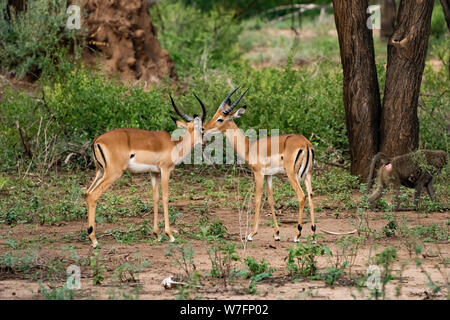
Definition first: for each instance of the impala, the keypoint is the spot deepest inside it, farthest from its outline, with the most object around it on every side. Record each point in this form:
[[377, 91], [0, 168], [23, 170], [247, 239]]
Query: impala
[[292, 154], [141, 151]]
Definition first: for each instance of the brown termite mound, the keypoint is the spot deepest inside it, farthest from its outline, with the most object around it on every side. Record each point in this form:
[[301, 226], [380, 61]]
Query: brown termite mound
[[122, 40]]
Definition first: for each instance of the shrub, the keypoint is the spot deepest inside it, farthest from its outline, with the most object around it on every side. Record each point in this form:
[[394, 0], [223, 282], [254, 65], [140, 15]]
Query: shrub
[[222, 254], [29, 40], [256, 272], [196, 40], [74, 111], [302, 257], [438, 25]]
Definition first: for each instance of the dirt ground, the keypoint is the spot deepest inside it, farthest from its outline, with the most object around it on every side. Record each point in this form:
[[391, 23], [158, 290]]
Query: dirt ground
[[16, 285]]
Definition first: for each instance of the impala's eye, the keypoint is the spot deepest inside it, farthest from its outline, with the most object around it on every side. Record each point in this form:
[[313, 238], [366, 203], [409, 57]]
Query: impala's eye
[[220, 120]]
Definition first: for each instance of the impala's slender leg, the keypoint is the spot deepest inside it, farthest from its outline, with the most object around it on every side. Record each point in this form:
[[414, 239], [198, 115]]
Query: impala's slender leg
[[301, 202], [94, 194], [156, 180], [310, 201], [276, 234], [259, 180], [165, 176], [98, 176]]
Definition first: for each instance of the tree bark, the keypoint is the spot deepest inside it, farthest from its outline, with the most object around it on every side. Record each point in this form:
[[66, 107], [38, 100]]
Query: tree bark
[[446, 7], [407, 49], [388, 13], [16, 5], [361, 91]]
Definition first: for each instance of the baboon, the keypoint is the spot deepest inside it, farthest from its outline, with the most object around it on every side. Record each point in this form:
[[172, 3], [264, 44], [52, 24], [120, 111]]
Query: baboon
[[412, 170]]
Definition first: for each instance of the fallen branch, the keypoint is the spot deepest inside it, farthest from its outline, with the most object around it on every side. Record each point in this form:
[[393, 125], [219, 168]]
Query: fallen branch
[[26, 146], [339, 233], [339, 165]]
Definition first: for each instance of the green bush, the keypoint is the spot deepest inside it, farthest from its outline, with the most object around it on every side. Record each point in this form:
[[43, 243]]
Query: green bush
[[292, 101], [29, 40], [74, 111], [434, 101], [196, 40], [438, 24], [302, 257]]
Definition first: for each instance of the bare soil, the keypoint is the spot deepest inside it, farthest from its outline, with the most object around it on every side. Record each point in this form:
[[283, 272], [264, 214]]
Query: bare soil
[[278, 286]]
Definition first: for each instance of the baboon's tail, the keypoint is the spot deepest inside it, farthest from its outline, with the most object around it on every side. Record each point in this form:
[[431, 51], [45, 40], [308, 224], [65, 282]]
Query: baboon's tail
[[376, 158]]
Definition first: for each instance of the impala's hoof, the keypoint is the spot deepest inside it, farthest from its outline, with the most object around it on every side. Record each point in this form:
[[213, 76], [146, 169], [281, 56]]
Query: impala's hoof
[[277, 237], [249, 238], [171, 239], [95, 245]]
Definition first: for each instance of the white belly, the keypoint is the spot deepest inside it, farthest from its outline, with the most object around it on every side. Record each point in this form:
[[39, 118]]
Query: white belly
[[142, 167], [270, 171]]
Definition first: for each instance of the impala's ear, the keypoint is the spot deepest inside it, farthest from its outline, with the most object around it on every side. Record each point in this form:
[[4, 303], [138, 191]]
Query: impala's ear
[[239, 113], [180, 123]]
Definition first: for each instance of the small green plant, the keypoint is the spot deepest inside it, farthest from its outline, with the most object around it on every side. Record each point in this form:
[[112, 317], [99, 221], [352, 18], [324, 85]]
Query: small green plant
[[209, 231], [334, 273], [128, 272], [222, 254], [15, 263], [216, 230], [256, 272], [385, 259], [124, 294], [302, 257], [183, 258], [97, 268], [390, 229], [348, 248], [62, 293]]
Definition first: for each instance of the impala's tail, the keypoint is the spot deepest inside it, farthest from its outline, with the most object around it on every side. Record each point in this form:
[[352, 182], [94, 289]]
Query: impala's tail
[[100, 164], [303, 162], [99, 155]]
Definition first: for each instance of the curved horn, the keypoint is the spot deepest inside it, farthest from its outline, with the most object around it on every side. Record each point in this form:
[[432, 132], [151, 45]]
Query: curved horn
[[181, 114], [203, 108], [224, 102], [235, 103]]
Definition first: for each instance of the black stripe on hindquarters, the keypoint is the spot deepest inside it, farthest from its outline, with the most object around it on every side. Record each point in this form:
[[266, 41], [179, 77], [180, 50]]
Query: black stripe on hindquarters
[[296, 158], [95, 156], [307, 163], [312, 154], [101, 152]]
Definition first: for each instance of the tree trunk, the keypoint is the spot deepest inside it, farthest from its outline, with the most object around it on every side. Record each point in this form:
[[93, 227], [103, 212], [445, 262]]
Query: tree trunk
[[388, 13], [16, 6], [19, 5], [361, 91], [446, 7], [407, 51], [121, 30]]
